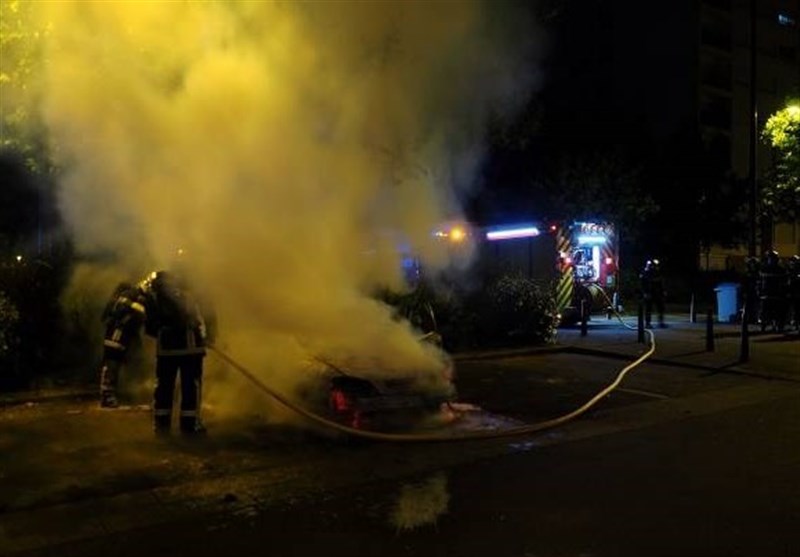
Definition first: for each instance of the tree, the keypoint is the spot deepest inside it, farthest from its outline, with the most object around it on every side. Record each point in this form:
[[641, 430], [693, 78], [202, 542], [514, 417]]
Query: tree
[[780, 194], [21, 45], [600, 185]]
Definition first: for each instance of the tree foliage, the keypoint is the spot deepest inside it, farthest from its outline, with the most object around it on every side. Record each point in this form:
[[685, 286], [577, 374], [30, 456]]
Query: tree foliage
[[598, 186], [781, 192], [22, 43]]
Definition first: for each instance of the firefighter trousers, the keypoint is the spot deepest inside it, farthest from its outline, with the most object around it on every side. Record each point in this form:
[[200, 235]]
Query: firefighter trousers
[[190, 368], [109, 370]]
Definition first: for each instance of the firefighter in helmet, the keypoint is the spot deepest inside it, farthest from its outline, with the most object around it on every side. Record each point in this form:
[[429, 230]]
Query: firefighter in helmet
[[653, 294], [123, 316], [772, 289], [182, 329]]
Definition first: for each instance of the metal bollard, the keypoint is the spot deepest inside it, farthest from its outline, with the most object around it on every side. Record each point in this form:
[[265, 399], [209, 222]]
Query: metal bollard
[[744, 346], [640, 328], [709, 331], [584, 319]]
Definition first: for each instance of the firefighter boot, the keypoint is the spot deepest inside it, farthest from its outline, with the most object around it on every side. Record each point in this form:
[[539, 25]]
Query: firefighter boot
[[162, 418], [192, 425]]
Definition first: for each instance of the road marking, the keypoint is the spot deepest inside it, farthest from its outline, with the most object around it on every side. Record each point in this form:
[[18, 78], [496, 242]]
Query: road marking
[[643, 393]]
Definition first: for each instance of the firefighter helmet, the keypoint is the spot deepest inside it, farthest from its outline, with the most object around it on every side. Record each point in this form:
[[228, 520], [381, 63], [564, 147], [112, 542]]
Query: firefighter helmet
[[771, 257]]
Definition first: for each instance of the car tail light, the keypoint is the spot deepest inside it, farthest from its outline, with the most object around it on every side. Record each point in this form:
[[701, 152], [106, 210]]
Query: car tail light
[[340, 402]]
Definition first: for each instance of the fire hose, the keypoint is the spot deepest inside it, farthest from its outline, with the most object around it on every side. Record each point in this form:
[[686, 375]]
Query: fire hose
[[438, 437]]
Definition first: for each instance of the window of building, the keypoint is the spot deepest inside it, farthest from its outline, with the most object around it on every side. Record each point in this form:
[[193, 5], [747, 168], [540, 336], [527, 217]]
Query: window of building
[[715, 110], [716, 71], [716, 32], [786, 20]]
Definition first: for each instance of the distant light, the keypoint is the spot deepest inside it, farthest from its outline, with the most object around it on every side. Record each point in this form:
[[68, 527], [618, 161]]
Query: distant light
[[609, 260], [19, 259], [553, 228], [457, 234], [591, 240], [511, 233], [786, 20]]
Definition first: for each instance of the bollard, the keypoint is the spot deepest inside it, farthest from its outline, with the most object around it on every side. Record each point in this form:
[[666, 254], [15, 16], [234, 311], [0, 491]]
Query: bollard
[[710, 331], [744, 346], [640, 328], [692, 311], [584, 319]]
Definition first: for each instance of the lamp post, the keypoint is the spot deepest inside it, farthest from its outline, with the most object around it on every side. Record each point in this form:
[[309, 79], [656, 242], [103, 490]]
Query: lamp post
[[753, 183]]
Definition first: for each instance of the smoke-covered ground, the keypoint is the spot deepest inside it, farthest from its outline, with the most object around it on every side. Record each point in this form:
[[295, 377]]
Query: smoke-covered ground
[[292, 149]]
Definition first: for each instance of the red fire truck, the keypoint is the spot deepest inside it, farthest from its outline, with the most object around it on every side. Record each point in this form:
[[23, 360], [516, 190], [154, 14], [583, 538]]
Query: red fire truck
[[580, 259]]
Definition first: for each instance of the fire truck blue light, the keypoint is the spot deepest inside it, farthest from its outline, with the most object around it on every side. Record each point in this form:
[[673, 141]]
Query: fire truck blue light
[[511, 233]]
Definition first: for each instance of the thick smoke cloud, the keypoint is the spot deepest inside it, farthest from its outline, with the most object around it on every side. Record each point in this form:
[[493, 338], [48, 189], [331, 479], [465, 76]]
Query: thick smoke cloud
[[288, 147]]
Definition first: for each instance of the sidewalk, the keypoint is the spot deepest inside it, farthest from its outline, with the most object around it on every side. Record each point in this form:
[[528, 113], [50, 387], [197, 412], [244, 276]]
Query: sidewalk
[[683, 343]]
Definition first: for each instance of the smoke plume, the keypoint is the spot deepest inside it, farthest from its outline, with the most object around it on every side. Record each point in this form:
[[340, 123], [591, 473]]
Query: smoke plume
[[288, 147]]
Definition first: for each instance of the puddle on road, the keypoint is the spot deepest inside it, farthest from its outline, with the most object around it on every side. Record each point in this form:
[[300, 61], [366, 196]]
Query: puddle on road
[[420, 503], [461, 418]]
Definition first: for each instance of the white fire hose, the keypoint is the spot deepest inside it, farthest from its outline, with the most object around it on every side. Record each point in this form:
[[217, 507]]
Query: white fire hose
[[437, 437]]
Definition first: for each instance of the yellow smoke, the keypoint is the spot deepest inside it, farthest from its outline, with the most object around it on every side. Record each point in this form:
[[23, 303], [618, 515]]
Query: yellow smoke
[[287, 146]]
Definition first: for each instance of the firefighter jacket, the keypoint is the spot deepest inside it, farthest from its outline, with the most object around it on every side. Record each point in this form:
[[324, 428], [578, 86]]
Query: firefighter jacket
[[123, 315], [181, 325], [652, 284], [772, 281]]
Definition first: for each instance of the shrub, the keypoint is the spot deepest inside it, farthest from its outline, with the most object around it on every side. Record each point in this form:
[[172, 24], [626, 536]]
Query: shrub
[[9, 341], [518, 310]]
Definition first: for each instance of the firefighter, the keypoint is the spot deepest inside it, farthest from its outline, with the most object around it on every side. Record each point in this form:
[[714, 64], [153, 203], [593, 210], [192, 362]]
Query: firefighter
[[772, 292], [123, 316], [182, 330], [653, 294], [793, 287]]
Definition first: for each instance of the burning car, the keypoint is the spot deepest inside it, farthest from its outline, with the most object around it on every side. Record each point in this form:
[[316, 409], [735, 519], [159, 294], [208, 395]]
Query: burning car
[[361, 398]]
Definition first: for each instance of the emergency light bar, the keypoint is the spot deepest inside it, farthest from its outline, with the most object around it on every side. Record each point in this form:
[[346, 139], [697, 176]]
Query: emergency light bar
[[511, 233]]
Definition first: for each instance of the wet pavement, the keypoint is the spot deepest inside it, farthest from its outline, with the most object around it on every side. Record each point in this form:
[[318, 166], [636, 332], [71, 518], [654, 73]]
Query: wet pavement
[[77, 480]]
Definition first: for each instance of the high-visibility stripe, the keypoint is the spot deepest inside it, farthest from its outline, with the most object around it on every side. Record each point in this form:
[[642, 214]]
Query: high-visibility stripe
[[565, 286], [162, 411], [188, 413], [113, 344], [609, 251]]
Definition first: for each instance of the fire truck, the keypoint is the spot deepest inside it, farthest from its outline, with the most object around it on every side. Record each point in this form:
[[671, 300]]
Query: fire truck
[[580, 259]]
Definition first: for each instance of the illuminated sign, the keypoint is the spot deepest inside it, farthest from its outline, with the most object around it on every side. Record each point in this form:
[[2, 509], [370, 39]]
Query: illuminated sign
[[591, 240]]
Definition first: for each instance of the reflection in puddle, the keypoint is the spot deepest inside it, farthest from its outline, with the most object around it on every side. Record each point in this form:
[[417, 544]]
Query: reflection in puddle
[[421, 503]]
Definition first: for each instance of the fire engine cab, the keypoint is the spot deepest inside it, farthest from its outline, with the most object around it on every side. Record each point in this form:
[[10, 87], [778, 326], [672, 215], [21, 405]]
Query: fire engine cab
[[588, 267]]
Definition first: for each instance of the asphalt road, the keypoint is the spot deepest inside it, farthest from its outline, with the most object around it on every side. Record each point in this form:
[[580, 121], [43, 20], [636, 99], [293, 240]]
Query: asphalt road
[[722, 484], [678, 461]]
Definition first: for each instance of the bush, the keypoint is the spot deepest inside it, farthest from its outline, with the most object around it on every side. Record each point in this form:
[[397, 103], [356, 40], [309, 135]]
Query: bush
[[518, 310], [32, 316], [508, 310], [9, 342]]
